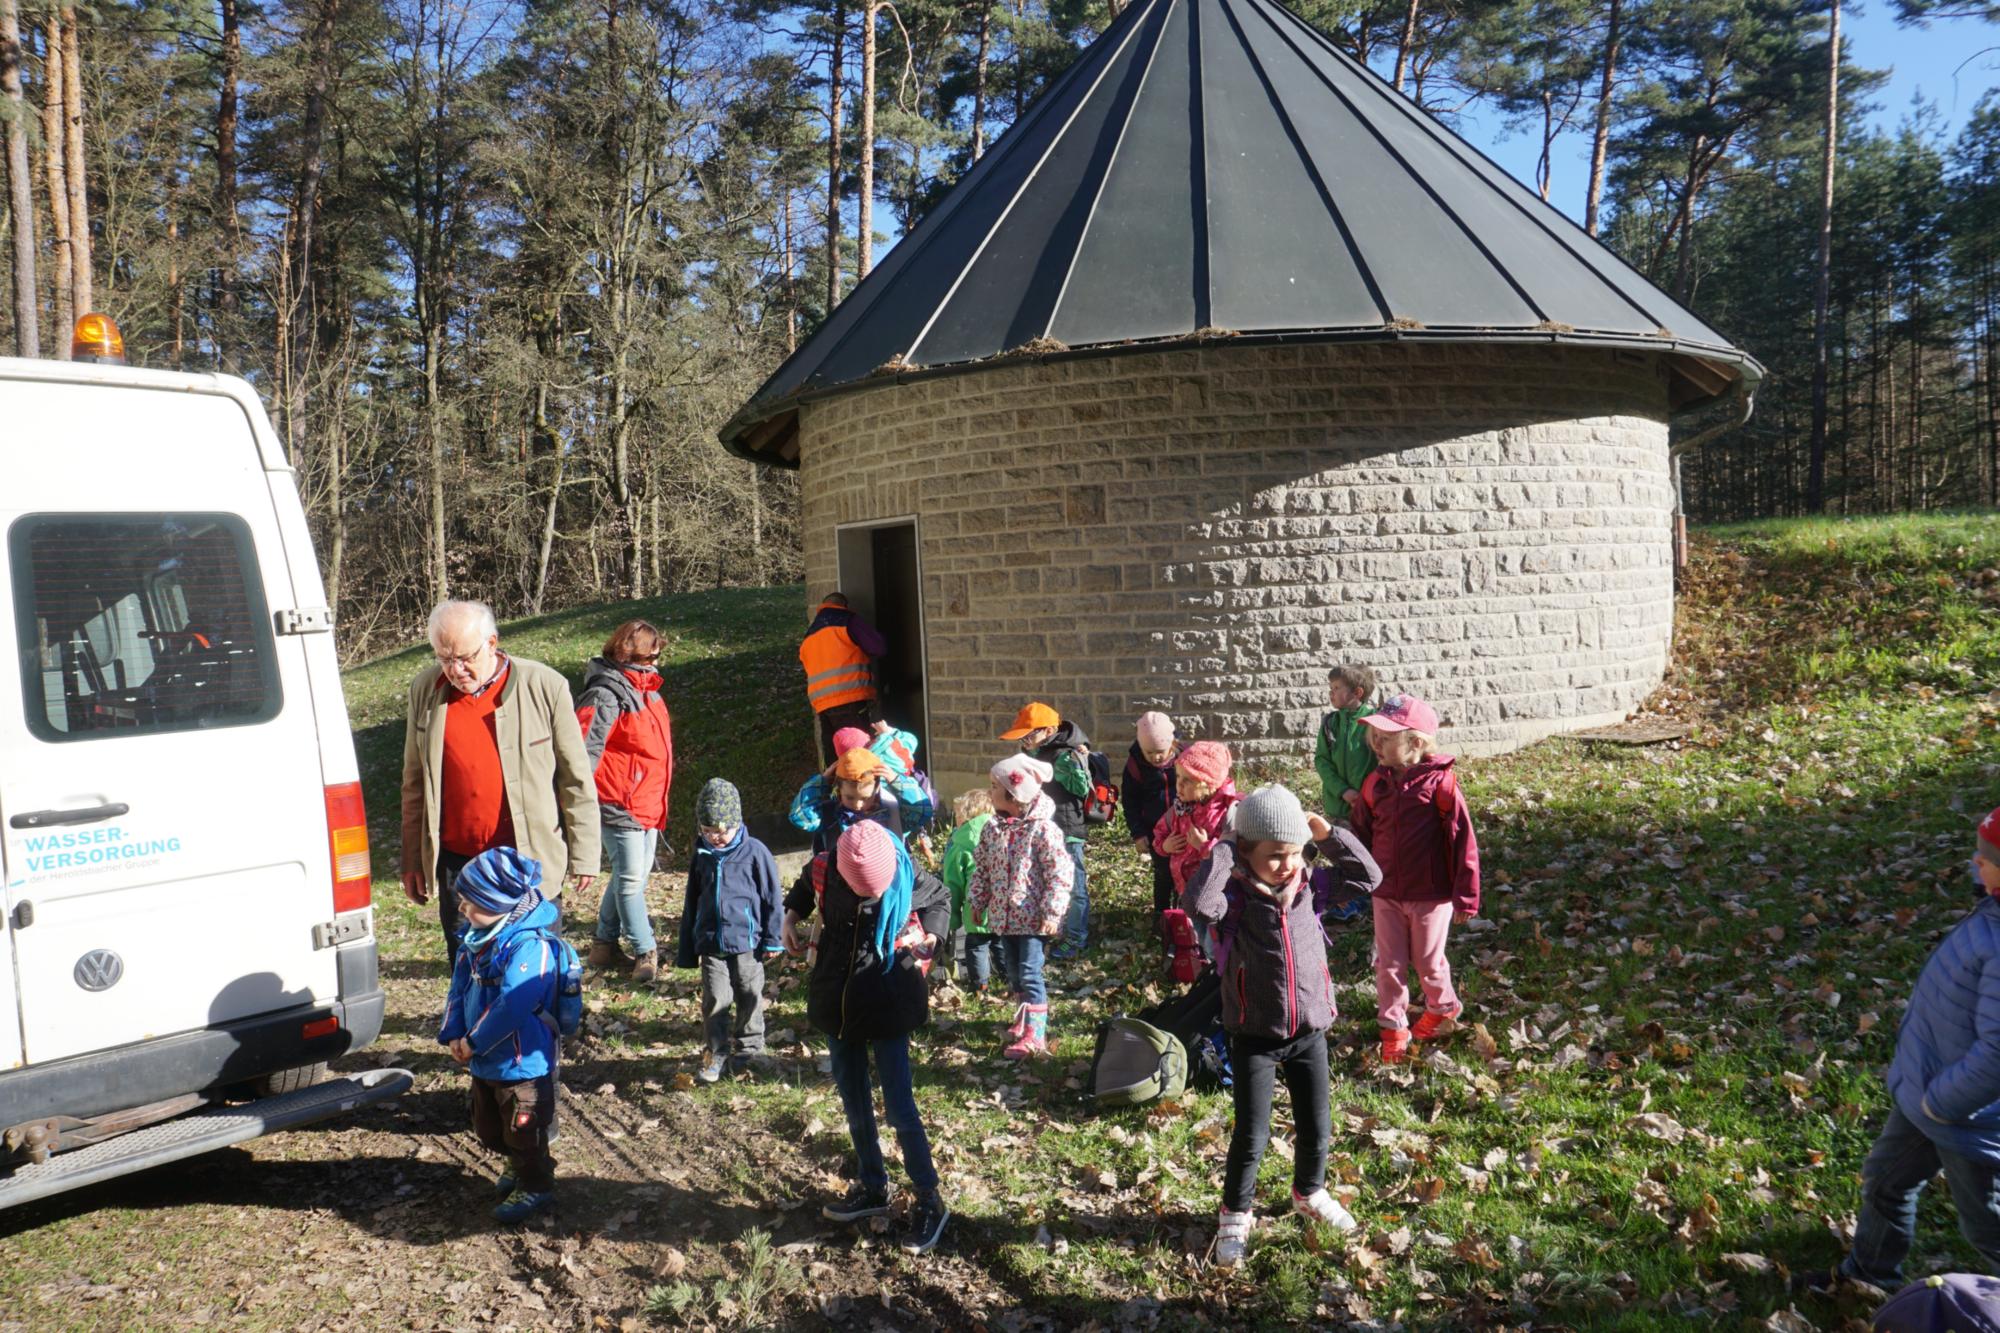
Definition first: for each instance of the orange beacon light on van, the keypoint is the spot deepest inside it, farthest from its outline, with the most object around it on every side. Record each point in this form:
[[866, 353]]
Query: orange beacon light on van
[[97, 339]]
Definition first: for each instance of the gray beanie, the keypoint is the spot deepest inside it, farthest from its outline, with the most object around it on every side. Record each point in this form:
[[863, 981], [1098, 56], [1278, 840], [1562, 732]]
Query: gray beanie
[[1270, 814], [718, 806]]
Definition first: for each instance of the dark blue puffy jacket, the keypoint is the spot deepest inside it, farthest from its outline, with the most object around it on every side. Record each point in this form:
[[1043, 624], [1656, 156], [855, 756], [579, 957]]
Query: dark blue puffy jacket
[[734, 903], [1946, 1074]]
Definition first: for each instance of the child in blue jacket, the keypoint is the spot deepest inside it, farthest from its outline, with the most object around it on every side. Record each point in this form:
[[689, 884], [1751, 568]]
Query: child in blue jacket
[[1944, 1089], [732, 919], [499, 1020]]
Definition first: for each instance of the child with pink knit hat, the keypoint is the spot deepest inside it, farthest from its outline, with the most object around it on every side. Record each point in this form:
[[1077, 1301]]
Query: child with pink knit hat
[[881, 916], [1022, 877], [1203, 794]]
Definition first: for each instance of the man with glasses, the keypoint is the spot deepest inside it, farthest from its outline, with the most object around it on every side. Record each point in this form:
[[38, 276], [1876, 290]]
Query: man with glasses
[[492, 757]]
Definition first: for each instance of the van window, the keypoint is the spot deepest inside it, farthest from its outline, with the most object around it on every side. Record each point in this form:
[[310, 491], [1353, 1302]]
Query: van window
[[137, 623]]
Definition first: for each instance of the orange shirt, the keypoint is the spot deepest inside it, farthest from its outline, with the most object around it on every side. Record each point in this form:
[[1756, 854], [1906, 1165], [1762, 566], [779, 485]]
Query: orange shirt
[[472, 800]]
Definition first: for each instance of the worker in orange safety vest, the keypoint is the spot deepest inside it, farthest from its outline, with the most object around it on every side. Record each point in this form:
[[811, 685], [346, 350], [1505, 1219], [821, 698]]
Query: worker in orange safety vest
[[838, 656]]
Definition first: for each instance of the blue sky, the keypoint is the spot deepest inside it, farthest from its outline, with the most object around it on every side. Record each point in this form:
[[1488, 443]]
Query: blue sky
[[1920, 61]]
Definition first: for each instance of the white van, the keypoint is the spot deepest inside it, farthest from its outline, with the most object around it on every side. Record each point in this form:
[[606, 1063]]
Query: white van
[[182, 844]]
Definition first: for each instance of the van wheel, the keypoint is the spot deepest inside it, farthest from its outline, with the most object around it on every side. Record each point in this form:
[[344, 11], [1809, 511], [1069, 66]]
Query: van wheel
[[288, 1080]]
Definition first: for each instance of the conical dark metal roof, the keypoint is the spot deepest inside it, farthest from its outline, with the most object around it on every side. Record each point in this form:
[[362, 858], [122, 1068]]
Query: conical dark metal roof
[[1217, 166]]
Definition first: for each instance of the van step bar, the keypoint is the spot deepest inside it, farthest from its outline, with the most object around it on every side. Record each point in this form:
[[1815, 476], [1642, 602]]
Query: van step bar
[[204, 1131]]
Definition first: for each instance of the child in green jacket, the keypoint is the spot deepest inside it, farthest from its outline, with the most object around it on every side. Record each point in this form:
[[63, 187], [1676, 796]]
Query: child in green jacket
[[978, 950], [1343, 757]]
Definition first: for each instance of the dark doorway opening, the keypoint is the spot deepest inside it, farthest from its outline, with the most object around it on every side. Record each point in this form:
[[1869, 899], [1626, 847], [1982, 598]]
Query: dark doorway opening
[[880, 574]]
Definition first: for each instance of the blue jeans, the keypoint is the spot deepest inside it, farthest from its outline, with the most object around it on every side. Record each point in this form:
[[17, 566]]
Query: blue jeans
[[1898, 1167], [1076, 925], [622, 910], [980, 954], [1022, 957], [899, 1101]]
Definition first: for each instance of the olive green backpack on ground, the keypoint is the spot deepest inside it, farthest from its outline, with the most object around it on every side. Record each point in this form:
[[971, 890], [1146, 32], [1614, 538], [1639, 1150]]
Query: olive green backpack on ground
[[1136, 1063]]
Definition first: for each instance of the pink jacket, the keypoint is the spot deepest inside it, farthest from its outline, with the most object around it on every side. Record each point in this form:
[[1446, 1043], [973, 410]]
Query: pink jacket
[[1417, 827], [1022, 875], [1211, 816]]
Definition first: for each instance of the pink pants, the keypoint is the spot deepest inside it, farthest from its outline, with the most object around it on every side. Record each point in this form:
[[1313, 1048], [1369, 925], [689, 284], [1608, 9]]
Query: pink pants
[[1412, 935]]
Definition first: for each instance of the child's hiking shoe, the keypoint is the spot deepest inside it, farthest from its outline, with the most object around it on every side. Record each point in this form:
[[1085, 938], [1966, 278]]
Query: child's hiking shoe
[[646, 968], [505, 1185], [606, 954], [1034, 1037], [1346, 911], [1395, 1045], [1319, 1206], [1432, 1026], [712, 1066], [927, 1221], [860, 1202], [1232, 1238], [753, 1064], [521, 1205]]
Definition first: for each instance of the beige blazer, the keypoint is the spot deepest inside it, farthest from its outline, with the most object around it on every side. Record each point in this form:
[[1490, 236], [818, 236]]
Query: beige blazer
[[551, 793]]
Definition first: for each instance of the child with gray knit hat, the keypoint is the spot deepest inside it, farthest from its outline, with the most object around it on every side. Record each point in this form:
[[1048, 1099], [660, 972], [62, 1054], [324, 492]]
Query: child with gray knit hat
[[732, 918], [1262, 907]]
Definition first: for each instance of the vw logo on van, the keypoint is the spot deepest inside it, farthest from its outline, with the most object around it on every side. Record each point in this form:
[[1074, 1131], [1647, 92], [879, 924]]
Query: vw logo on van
[[99, 970]]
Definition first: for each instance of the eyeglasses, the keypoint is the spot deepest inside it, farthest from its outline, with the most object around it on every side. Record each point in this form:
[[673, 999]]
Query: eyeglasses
[[458, 659]]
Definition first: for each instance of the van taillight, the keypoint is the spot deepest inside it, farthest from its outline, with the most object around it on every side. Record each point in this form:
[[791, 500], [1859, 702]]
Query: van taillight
[[347, 835]]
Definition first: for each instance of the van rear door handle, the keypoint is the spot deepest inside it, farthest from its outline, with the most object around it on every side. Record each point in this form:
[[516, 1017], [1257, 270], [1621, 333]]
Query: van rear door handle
[[83, 814]]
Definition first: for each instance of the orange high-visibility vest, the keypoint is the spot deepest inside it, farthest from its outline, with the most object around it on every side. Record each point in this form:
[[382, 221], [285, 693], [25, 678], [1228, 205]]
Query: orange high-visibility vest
[[837, 672]]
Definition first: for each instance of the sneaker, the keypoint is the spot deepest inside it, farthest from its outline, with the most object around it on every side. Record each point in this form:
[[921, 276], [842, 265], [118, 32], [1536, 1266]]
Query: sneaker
[[521, 1205], [712, 1066], [927, 1221], [1319, 1206], [1432, 1026], [748, 1064], [1395, 1045], [861, 1201], [1346, 911], [505, 1185], [1232, 1238]]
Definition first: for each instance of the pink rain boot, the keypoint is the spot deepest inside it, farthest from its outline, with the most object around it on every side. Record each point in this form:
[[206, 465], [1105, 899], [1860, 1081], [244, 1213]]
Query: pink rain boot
[[1034, 1040]]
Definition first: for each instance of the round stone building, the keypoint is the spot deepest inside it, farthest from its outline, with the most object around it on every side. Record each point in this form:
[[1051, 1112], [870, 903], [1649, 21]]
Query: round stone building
[[1227, 364]]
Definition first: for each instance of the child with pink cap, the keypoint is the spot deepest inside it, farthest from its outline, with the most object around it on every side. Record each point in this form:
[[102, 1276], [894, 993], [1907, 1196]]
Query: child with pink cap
[[1199, 813], [881, 917], [1413, 819], [1022, 876]]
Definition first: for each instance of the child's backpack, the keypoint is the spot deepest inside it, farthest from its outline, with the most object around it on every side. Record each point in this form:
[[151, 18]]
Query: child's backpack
[[1136, 1063], [1184, 947], [565, 1013], [1195, 1011], [1102, 799]]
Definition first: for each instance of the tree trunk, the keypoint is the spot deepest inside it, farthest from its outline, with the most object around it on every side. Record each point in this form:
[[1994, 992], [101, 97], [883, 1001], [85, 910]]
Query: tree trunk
[[1600, 139], [55, 180], [228, 221], [294, 353], [834, 76], [74, 172], [1823, 270], [1992, 340], [20, 190], [864, 226], [979, 84], [1407, 44]]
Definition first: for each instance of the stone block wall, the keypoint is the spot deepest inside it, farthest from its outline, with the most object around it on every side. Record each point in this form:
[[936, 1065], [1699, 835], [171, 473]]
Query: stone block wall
[[1205, 531]]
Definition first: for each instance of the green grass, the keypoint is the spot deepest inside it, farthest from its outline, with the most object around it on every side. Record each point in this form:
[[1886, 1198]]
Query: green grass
[[1690, 978]]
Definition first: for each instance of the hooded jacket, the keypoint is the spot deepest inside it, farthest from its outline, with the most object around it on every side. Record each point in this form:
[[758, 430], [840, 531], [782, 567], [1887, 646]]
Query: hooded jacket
[[1342, 757], [1210, 815], [1417, 827], [734, 902], [1147, 790], [1271, 948], [1946, 1074], [1068, 753], [1022, 875], [499, 993], [630, 740], [958, 865], [849, 994]]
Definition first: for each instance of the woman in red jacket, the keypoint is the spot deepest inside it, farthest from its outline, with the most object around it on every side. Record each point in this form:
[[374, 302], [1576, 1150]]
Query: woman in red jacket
[[630, 739]]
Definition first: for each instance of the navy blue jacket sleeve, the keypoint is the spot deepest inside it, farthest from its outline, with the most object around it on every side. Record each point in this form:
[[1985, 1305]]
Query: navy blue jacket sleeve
[[770, 901], [1972, 1082]]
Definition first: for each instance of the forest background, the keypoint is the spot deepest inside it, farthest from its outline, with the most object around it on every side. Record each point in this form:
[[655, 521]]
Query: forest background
[[501, 269]]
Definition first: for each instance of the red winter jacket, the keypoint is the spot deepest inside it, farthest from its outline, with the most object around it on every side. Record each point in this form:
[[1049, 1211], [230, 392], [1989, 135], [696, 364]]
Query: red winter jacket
[[1416, 825], [630, 740]]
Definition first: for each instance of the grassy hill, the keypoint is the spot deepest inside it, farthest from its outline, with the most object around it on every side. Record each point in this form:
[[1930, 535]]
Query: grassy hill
[[1686, 983]]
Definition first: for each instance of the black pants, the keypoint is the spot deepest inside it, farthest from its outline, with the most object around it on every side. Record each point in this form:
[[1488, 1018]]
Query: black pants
[[1163, 886], [859, 714], [448, 866], [1255, 1063], [513, 1119]]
